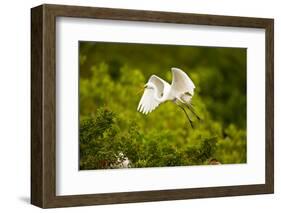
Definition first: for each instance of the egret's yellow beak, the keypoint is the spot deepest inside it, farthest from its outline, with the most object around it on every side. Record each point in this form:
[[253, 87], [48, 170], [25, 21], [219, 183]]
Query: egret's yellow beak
[[141, 90]]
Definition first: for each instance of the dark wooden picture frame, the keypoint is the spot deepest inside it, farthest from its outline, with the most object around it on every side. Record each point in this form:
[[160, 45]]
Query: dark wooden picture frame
[[43, 105]]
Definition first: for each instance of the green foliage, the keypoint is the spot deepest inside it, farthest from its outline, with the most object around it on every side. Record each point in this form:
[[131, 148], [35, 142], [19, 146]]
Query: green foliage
[[202, 152], [99, 141], [111, 84], [103, 145]]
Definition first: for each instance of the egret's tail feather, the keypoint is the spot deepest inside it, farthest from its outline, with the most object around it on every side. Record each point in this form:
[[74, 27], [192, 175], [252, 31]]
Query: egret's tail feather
[[186, 98]]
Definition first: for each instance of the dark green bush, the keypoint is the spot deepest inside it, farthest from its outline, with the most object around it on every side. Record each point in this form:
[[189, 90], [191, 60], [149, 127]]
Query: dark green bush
[[103, 145]]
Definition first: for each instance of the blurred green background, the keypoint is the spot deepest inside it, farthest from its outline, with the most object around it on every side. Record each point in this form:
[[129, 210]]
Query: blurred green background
[[114, 135]]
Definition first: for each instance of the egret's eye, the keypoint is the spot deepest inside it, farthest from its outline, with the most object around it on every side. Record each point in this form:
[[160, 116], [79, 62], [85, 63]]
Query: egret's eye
[[145, 86]]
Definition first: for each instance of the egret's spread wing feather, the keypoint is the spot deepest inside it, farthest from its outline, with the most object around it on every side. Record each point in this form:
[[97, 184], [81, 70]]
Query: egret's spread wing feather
[[159, 83], [148, 101], [181, 83]]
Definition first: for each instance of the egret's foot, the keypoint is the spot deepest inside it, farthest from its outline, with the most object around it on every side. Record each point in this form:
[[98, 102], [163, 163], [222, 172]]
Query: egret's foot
[[198, 117], [191, 124], [190, 107]]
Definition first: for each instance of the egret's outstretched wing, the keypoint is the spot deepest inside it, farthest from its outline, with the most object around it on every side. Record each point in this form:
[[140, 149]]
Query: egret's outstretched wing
[[159, 83], [148, 101], [181, 83]]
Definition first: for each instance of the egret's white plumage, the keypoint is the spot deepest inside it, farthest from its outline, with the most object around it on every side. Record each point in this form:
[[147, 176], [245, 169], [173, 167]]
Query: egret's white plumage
[[182, 85], [158, 91]]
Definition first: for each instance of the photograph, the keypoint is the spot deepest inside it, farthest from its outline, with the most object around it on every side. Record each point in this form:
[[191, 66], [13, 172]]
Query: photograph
[[161, 105]]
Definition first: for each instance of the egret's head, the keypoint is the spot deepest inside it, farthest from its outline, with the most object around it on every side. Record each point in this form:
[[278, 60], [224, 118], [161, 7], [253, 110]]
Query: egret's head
[[149, 85]]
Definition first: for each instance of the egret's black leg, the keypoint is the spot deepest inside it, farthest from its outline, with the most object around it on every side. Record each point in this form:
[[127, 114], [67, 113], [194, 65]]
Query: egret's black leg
[[190, 121], [190, 107]]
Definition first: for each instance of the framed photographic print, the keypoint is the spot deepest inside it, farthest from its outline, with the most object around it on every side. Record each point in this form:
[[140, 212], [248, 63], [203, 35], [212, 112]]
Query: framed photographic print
[[136, 106]]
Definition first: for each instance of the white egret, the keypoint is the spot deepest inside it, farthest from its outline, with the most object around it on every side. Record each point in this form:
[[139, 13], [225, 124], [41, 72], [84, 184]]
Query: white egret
[[158, 91]]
